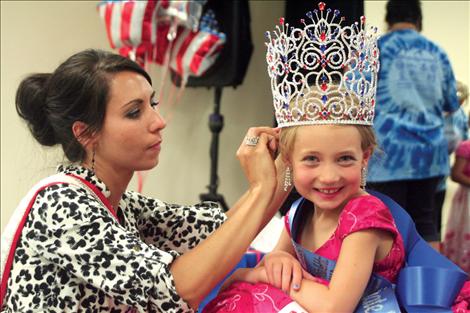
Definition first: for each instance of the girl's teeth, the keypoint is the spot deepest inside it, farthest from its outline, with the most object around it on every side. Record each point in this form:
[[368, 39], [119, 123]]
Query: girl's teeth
[[328, 191]]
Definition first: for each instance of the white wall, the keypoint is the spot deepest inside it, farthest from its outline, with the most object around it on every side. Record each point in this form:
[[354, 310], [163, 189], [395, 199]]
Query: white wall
[[444, 22], [37, 36]]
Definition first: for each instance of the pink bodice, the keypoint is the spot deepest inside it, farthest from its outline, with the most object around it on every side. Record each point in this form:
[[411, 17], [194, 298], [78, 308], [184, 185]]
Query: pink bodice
[[367, 212], [463, 151]]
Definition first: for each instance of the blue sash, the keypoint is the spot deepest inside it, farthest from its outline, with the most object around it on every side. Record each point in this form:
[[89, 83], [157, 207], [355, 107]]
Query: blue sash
[[429, 282]]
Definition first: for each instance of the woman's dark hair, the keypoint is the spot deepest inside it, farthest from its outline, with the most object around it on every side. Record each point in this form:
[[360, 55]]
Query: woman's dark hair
[[78, 90], [404, 11]]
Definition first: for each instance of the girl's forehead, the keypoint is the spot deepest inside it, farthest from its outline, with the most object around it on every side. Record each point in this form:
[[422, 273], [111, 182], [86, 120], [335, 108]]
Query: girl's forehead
[[328, 130], [327, 137]]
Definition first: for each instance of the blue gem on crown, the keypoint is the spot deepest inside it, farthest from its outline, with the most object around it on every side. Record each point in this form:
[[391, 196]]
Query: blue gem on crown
[[323, 73]]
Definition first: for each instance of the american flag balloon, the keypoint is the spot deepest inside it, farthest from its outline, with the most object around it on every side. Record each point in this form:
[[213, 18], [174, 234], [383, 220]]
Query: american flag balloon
[[164, 32]]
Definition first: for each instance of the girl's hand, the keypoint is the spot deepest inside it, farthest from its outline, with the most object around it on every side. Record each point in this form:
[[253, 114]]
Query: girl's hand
[[284, 270], [257, 157]]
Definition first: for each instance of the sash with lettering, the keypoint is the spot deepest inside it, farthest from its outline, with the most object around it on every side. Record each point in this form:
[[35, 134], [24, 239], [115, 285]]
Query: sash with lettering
[[13, 229], [428, 282]]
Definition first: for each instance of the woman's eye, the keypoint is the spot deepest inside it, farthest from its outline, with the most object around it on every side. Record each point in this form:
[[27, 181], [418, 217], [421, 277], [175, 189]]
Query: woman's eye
[[154, 103], [133, 114]]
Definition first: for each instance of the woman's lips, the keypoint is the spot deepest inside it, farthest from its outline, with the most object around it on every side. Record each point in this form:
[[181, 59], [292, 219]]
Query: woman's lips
[[156, 146]]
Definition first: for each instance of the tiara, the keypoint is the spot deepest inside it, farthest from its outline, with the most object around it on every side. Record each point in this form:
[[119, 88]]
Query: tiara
[[323, 73]]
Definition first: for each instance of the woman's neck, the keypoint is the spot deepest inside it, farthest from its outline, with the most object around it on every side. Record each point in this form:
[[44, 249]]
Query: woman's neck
[[402, 25], [116, 181]]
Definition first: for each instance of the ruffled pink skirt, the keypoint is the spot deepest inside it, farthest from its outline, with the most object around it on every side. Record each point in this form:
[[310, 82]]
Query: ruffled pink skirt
[[242, 297]]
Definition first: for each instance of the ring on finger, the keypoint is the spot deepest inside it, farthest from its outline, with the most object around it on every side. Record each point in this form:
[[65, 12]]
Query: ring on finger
[[251, 140]]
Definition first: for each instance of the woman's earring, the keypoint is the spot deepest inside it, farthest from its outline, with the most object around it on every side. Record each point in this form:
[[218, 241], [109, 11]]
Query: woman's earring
[[363, 177], [93, 160], [287, 179]]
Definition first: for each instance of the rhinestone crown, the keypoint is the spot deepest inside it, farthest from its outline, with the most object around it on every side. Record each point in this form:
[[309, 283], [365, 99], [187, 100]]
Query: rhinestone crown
[[323, 73]]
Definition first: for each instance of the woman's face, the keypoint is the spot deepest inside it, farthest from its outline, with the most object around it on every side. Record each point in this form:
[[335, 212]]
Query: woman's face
[[326, 161], [130, 139]]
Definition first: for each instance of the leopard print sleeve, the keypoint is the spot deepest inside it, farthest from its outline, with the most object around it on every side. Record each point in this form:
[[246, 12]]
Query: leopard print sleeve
[[74, 256], [173, 227]]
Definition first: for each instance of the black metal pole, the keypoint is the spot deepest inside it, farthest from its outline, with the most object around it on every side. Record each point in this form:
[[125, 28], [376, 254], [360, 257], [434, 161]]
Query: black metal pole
[[216, 124]]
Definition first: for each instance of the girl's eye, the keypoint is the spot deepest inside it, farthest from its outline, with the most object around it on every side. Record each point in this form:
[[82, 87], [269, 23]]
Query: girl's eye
[[310, 158], [133, 114], [347, 158]]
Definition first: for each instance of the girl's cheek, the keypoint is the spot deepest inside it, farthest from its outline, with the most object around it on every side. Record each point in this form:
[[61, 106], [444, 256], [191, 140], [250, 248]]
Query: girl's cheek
[[302, 176]]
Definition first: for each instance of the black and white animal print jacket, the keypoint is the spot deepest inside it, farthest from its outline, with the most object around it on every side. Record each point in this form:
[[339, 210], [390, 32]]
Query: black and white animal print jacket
[[74, 256]]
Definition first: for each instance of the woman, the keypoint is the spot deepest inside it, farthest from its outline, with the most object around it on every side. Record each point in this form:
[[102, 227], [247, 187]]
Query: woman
[[87, 244]]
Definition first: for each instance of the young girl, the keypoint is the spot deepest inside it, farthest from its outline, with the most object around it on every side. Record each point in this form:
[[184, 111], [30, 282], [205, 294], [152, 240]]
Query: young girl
[[456, 245], [345, 223], [340, 250]]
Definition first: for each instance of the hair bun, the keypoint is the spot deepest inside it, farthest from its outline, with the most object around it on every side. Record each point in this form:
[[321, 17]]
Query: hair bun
[[31, 106]]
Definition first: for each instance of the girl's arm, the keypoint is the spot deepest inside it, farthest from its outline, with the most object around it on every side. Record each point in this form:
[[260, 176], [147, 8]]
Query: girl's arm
[[277, 272], [350, 277], [249, 275], [457, 173], [282, 268]]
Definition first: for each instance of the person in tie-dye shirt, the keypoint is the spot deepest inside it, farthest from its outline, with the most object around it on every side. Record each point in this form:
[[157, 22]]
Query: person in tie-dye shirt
[[416, 88]]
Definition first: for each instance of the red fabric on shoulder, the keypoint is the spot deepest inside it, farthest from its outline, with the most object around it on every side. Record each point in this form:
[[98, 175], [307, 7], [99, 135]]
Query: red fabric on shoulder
[[365, 212]]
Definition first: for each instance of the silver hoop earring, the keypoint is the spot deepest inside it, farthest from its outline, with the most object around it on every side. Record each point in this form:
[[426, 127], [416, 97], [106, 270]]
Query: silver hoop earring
[[363, 177], [287, 179]]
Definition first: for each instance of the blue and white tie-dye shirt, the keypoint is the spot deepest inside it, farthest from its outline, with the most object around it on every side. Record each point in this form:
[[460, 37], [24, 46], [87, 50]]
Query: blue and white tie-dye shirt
[[455, 129], [416, 86]]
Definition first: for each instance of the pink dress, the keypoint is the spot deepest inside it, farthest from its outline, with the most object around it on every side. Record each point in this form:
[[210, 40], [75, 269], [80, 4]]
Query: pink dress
[[360, 213], [367, 212], [456, 243]]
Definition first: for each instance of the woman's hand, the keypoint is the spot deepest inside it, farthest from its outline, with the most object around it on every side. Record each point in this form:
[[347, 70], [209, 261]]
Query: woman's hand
[[256, 155], [284, 271]]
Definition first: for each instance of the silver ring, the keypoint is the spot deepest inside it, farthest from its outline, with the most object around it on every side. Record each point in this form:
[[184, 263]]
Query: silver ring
[[251, 140]]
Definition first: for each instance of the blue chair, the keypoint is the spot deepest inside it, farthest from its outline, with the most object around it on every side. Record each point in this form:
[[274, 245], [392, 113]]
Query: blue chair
[[429, 282]]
